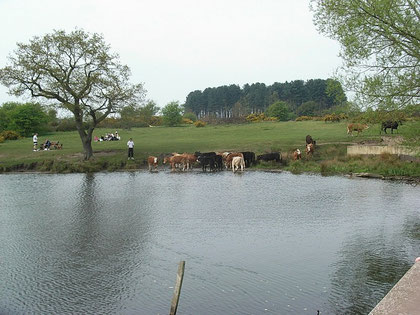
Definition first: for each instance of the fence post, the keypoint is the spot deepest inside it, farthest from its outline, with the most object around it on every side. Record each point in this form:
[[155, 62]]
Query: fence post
[[177, 291]]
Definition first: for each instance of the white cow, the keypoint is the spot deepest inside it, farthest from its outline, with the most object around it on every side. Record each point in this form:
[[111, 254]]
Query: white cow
[[238, 161]]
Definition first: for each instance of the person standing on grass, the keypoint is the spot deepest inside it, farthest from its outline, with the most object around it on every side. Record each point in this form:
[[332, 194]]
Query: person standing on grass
[[130, 145], [35, 141]]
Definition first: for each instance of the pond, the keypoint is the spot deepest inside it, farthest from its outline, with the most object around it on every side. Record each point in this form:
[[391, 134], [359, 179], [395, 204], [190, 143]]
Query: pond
[[254, 243]]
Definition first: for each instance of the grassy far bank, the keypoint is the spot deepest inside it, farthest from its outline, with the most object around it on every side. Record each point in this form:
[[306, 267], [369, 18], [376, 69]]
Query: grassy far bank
[[330, 156]]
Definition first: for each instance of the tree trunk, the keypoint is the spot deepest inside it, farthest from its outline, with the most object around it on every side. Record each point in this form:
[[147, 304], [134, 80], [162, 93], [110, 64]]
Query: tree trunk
[[87, 147], [86, 142], [86, 138]]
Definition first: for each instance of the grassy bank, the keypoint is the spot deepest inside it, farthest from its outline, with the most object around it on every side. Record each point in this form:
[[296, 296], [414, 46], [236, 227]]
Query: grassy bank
[[330, 156]]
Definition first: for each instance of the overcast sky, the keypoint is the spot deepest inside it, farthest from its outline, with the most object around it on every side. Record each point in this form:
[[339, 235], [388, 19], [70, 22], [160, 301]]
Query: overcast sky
[[176, 47]]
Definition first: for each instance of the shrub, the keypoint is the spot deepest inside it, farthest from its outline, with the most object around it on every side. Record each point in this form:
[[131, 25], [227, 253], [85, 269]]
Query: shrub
[[10, 135], [156, 121], [303, 118], [343, 116], [251, 117], [171, 114], [187, 121], [199, 124], [190, 116], [280, 110], [26, 119], [256, 117], [1, 139], [260, 117], [332, 118]]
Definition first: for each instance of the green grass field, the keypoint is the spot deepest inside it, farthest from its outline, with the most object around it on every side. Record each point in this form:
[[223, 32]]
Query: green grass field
[[330, 156]]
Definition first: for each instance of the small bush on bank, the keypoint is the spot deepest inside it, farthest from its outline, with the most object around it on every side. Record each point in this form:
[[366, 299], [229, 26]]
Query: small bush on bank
[[260, 117], [187, 121], [156, 121], [1, 139], [332, 118], [304, 118], [199, 124], [255, 117], [10, 135], [191, 116]]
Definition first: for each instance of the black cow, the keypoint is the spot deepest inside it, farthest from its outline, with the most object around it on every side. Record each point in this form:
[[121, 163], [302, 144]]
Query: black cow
[[390, 124], [249, 158], [218, 160], [309, 140], [209, 161], [198, 153], [275, 156]]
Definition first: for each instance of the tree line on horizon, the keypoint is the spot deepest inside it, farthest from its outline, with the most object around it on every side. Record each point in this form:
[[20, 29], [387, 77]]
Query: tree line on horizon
[[303, 98]]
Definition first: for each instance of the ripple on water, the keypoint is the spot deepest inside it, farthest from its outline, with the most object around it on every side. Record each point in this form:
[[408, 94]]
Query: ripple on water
[[253, 243]]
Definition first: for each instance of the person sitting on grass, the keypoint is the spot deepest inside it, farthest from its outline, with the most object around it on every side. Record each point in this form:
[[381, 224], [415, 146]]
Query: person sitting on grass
[[47, 144]]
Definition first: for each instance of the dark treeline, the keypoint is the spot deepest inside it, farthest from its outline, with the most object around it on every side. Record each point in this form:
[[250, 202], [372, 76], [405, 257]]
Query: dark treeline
[[310, 97]]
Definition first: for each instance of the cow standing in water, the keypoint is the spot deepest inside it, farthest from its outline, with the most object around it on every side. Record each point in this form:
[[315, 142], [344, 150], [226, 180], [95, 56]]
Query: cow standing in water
[[152, 161], [230, 156], [176, 160], [238, 162], [249, 158]]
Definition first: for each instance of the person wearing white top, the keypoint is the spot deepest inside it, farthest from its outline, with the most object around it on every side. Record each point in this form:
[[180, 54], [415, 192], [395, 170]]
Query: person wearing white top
[[130, 145], [35, 141]]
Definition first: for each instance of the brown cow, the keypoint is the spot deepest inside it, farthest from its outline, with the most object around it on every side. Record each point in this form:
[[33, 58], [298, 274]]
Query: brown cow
[[297, 155], [356, 127], [175, 160], [152, 161], [190, 159], [310, 140], [310, 148]]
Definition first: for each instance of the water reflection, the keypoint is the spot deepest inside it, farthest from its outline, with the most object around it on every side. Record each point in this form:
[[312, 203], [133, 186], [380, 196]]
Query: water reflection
[[368, 268], [104, 257], [411, 229]]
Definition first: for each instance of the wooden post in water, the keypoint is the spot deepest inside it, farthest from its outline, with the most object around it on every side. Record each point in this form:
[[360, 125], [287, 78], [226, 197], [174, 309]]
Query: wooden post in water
[[177, 291]]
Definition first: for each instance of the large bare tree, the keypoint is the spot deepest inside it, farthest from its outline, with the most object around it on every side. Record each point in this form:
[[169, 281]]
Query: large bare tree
[[76, 70]]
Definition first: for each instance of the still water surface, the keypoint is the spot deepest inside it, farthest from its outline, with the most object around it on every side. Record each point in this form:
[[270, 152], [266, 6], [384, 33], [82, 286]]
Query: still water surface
[[254, 243]]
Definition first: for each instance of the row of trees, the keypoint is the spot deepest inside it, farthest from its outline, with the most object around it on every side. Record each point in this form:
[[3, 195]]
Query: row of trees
[[302, 97]]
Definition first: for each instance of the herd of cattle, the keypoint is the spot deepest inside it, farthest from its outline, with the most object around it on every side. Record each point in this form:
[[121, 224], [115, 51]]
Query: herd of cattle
[[217, 161]]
